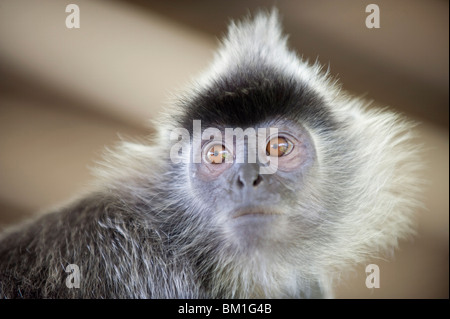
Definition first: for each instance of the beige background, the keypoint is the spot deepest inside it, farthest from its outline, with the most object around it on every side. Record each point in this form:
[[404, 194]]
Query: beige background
[[66, 94]]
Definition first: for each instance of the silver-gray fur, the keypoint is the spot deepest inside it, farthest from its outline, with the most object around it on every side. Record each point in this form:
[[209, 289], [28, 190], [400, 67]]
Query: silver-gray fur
[[144, 232]]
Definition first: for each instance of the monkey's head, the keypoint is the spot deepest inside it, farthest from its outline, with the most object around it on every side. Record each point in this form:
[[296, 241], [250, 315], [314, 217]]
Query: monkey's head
[[251, 159], [280, 161], [277, 163]]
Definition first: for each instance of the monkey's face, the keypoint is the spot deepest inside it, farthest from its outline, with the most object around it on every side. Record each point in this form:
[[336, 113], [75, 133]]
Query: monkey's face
[[252, 185], [256, 191]]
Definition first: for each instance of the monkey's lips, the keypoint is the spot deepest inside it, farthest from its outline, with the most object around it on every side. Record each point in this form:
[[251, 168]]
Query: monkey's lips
[[255, 212]]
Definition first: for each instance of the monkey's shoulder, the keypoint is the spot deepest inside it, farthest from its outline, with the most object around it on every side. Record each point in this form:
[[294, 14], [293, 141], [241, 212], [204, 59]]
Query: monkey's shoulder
[[109, 245]]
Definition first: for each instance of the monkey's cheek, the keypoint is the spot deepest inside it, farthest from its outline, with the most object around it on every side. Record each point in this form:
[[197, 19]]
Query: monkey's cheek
[[208, 172]]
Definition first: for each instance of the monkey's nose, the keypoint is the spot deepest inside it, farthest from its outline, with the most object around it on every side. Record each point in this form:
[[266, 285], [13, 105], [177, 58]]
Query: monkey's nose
[[248, 176]]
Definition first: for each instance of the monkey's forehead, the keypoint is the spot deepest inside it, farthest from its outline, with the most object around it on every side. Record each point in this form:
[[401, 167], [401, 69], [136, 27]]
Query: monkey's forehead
[[250, 95]]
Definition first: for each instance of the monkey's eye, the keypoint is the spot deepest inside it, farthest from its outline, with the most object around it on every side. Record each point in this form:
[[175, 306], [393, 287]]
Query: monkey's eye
[[279, 146], [217, 154]]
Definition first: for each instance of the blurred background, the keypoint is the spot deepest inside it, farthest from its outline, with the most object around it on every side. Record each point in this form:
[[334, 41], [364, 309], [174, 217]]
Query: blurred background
[[65, 94]]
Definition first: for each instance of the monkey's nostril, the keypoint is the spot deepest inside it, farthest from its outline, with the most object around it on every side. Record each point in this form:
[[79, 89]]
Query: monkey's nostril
[[257, 181], [240, 183]]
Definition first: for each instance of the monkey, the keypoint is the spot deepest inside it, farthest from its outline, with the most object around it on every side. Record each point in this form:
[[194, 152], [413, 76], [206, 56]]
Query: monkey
[[203, 220]]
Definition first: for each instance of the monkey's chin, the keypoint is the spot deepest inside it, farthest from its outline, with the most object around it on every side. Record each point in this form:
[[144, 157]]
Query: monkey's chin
[[257, 227]]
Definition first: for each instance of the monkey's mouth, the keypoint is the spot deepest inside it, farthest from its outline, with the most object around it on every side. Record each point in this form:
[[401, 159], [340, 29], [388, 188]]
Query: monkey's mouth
[[256, 212]]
